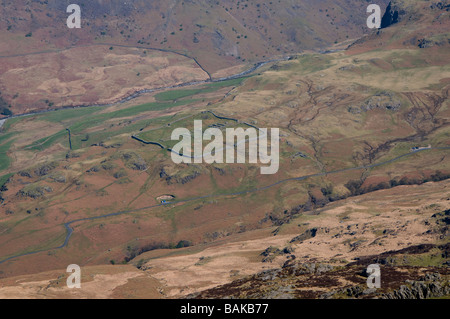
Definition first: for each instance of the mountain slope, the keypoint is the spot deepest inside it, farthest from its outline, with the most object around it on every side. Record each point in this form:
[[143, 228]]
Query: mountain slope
[[216, 36], [364, 176]]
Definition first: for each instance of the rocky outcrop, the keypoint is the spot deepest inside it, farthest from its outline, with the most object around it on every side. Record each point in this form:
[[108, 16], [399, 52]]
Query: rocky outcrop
[[45, 169], [134, 161], [3, 188], [391, 16], [174, 179], [398, 11], [424, 43], [58, 178], [441, 227], [34, 192], [430, 286], [272, 252], [384, 100], [442, 5], [310, 233]]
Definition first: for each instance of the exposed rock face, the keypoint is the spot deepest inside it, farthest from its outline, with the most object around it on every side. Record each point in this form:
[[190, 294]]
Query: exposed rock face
[[269, 253], [391, 16], [430, 286], [171, 179], [3, 189], [272, 252], [442, 5], [280, 283], [398, 11], [319, 280], [442, 228], [25, 174], [383, 100], [424, 43], [310, 233], [59, 178], [34, 191], [134, 161], [44, 169]]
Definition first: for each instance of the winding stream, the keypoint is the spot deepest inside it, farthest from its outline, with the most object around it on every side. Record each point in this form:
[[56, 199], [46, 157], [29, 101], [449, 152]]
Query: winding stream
[[145, 91]]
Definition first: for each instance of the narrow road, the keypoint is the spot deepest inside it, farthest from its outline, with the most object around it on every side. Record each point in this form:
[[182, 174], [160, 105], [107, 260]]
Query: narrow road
[[70, 230]]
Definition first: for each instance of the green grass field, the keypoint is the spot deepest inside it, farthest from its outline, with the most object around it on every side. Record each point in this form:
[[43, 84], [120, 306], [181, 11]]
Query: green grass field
[[208, 88], [80, 120], [90, 118], [4, 158]]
